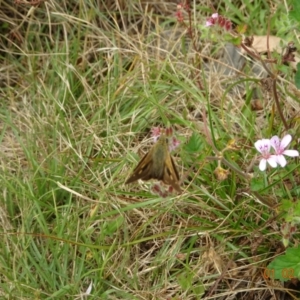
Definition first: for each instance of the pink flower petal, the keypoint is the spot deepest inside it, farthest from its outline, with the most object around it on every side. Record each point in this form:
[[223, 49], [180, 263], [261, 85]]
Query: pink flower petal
[[281, 160], [286, 140], [272, 160], [291, 153], [275, 142], [155, 132], [263, 164], [262, 145]]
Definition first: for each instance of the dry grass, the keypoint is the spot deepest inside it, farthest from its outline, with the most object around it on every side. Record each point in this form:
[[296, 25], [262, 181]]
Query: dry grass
[[82, 84]]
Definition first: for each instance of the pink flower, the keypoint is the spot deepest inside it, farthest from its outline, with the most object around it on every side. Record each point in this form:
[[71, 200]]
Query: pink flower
[[173, 142], [179, 14], [212, 20], [181, 7], [155, 132], [264, 146], [208, 23], [279, 148], [220, 20]]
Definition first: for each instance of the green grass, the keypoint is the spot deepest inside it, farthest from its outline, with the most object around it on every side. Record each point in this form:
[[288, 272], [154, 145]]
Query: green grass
[[80, 93]]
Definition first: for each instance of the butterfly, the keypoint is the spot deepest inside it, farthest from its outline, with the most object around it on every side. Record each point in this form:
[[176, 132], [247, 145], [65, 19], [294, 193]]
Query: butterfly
[[157, 164]]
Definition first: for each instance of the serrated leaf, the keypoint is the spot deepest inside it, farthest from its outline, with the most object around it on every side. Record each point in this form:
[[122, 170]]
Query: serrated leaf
[[287, 266], [236, 41], [256, 184], [241, 28], [194, 144], [285, 205], [291, 210]]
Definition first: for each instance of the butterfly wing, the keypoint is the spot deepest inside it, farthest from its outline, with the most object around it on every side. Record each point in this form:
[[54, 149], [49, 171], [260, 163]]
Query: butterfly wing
[[142, 170], [171, 175]]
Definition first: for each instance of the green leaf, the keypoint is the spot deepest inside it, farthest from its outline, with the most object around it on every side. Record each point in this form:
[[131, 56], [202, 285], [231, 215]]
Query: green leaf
[[194, 144], [112, 226], [297, 208], [257, 184], [295, 13], [198, 290], [234, 40], [185, 280], [285, 267], [291, 210]]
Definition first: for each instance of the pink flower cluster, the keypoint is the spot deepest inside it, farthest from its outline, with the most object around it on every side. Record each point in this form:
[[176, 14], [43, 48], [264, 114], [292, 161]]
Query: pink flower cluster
[[215, 19], [276, 157], [181, 7], [173, 142]]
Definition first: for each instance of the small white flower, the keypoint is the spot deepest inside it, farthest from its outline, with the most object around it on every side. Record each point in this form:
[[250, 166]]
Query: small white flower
[[86, 293], [264, 146], [279, 148]]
